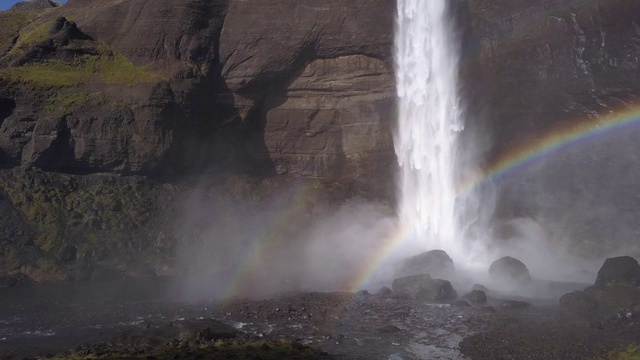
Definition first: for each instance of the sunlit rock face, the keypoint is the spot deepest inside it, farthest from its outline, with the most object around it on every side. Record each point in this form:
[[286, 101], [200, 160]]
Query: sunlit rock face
[[268, 87], [240, 85]]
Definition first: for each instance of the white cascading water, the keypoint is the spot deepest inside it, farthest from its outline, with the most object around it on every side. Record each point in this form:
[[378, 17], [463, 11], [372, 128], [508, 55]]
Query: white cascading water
[[427, 56]]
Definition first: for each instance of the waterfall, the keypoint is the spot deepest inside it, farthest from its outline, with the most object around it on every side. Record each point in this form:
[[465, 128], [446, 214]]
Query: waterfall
[[430, 120]]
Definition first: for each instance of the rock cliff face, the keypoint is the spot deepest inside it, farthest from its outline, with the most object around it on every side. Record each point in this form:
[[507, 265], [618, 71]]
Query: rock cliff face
[[271, 86], [539, 68], [148, 90]]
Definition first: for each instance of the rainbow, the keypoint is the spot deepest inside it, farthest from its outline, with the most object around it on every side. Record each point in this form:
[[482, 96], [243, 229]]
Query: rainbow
[[578, 131], [524, 155], [268, 242]]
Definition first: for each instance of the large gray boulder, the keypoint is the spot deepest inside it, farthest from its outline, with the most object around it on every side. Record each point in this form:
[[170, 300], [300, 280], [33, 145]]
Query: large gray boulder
[[509, 269], [622, 269], [434, 262], [423, 287], [617, 288]]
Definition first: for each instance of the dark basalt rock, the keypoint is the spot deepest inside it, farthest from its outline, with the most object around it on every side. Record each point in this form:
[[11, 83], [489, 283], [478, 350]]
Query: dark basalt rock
[[385, 291], [476, 296], [623, 269], [616, 288], [480, 288], [387, 329], [423, 287], [578, 301], [434, 262], [509, 269]]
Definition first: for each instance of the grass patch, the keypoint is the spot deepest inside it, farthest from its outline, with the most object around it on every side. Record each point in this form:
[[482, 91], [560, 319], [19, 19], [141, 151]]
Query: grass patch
[[107, 67], [47, 74], [47, 265], [10, 24], [34, 33], [65, 103], [629, 353]]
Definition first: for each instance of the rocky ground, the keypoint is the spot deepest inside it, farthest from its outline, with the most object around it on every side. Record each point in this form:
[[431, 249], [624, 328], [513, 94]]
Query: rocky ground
[[40, 322]]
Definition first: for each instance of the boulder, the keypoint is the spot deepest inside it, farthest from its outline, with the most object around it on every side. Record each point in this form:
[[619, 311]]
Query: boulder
[[578, 301], [614, 297], [623, 269], [385, 291], [434, 262], [476, 296], [617, 288], [509, 269], [205, 330], [423, 287]]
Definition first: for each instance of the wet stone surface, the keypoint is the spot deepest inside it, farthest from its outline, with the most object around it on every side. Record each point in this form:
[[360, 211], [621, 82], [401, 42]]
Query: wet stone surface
[[333, 325]]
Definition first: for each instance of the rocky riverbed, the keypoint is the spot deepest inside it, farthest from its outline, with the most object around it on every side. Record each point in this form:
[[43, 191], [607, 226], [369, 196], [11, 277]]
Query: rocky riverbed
[[141, 320]]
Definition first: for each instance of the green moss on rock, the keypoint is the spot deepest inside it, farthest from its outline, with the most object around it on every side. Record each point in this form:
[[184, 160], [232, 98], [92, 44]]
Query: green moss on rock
[[626, 353], [108, 67], [10, 24]]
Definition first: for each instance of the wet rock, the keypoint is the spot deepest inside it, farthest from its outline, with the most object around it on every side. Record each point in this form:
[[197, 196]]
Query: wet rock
[[614, 297], [461, 304], [476, 296], [385, 291], [67, 253], [509, 269], [363, 293], [616, 288], [480, 287], [423, 287], [623, 269], [13, 280], [488, 309], [514, 304], [388, 329], [205, 330], [434, 262], [578, 301]]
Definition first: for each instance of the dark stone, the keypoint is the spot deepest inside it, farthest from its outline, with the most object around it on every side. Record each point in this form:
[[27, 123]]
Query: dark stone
[[461, 304], [480, 287], [614, 297], [488, 309], [363, 293], [434, 262], [385, 291], [476, 296], [205, 330], [509, 269], [423, 287], [578, 301], [388, 329], [67, 253], [623, 269]]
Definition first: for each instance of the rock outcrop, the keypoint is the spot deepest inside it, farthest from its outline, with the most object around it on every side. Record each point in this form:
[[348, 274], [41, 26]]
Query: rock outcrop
[[434, 262], [616, 290], [156, 92], [221, 84], [423, 287], [510, 270]]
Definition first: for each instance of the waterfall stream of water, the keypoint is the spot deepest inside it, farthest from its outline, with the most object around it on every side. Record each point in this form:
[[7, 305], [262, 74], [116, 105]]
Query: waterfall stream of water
[[430, 120]]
